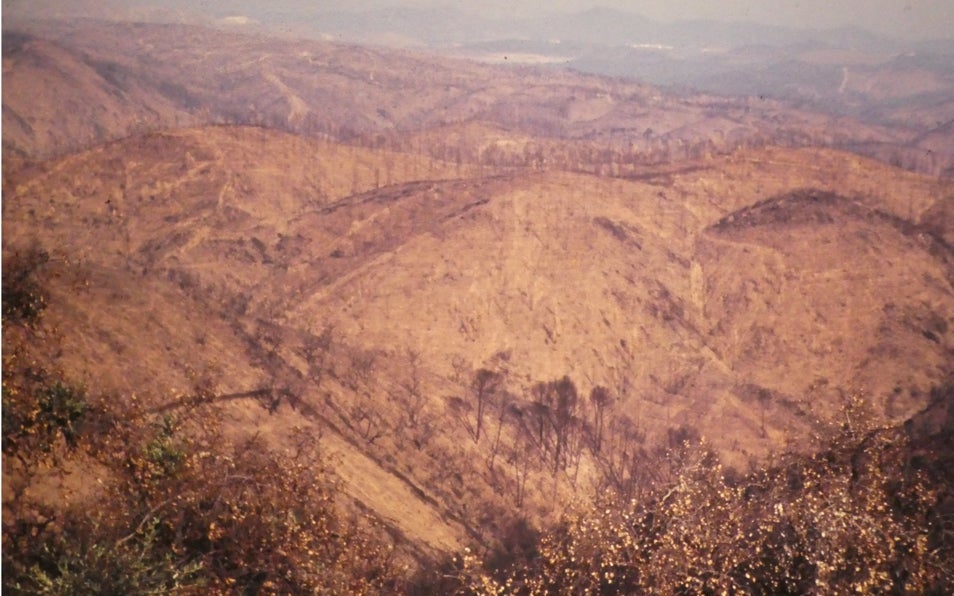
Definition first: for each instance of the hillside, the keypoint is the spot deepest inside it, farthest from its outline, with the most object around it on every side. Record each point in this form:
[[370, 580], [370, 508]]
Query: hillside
[[479, 294], [770, 303], [131, 289]]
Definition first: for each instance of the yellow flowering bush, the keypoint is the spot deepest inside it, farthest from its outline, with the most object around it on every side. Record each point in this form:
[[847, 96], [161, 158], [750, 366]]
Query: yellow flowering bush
[[855, 518]]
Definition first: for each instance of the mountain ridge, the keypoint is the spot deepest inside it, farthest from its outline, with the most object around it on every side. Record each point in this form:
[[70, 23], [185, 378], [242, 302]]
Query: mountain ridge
[[534, 219], [555, 287], [373, 97]]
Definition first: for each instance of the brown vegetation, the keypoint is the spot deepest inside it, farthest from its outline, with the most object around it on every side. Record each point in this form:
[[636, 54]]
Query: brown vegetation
[[236, 358]]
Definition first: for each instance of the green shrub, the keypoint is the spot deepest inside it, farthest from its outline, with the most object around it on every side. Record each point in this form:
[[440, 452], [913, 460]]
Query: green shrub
[[38, 409], [84, 557]]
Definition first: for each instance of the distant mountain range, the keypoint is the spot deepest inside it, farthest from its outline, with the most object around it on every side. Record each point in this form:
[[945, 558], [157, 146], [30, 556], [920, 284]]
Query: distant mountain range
[[837, 70], [429, 263], [446, 25]]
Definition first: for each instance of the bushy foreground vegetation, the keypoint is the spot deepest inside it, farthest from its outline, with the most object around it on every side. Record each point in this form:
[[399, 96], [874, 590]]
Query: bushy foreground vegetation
[[176, 506], [859, 517], [105, 496]]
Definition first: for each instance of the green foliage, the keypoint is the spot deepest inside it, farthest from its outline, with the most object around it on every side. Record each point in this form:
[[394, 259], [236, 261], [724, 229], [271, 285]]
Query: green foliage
[[181, 507], [38, 409], [82, 558], [186, 509], [165, 453], [178, 505], [61, 408], [254, 518]]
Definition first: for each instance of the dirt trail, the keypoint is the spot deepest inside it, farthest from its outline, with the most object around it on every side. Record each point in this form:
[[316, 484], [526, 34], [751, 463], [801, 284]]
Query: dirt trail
[[388, 496], [297, 107]]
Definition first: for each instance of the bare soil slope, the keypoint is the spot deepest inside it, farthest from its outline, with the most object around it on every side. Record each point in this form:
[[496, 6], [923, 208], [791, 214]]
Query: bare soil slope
[[686, 298]]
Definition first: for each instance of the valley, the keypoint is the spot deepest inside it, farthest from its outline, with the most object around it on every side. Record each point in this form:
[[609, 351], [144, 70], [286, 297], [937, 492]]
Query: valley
[[486, 293]]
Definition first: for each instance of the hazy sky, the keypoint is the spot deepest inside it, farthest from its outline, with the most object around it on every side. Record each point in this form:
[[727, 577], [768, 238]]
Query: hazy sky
[[907, 19], [913, 19]]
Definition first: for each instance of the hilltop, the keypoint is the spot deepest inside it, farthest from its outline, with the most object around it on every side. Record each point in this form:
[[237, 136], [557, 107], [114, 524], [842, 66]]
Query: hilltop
[[725, 300], [485, 293]]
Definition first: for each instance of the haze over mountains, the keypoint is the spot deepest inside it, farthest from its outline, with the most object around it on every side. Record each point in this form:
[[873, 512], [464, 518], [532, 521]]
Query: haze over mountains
[[841, 72], [358, 241]]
